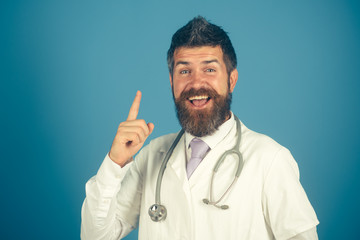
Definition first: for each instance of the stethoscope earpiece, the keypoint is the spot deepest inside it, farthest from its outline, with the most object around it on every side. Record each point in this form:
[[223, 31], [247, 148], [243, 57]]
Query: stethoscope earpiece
[[207, 202], [157, 212]]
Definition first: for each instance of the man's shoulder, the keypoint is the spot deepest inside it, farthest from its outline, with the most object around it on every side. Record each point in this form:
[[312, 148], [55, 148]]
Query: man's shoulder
[[259, 141], [163, 142], [262, 150], [156, 149]]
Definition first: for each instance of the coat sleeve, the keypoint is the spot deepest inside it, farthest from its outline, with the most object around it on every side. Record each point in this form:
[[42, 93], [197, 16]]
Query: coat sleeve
[[100, 214], [286, 207], [307, 235]]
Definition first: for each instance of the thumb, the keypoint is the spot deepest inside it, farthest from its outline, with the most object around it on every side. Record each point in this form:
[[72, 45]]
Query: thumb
[[151, 127]]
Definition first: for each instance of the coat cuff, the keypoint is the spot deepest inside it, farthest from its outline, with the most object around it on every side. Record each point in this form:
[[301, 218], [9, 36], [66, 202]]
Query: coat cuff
[[110, 173]]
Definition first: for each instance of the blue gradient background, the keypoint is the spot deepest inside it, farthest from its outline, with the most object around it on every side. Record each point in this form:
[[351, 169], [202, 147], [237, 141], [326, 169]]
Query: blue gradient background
[[70, 69]]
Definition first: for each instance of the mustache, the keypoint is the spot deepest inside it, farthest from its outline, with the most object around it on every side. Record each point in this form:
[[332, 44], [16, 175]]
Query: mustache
[[211, 93]]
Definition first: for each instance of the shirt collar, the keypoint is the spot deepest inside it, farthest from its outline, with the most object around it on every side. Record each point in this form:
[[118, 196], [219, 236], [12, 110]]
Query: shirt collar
[[216, 137]]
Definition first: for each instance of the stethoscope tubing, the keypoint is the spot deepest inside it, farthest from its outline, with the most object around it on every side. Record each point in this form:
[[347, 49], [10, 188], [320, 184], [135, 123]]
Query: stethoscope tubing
[[235, 150], [163, 166]]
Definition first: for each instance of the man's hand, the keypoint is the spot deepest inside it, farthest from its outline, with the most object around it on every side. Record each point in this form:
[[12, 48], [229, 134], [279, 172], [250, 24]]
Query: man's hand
[[130, 136]]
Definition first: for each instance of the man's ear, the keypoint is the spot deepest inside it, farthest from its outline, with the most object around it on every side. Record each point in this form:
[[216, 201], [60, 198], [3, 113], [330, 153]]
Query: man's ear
[[233, 79], [171, 81]]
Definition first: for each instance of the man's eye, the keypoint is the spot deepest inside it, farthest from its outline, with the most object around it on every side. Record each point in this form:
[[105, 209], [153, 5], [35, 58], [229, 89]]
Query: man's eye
[[184, 71], [210, 70]]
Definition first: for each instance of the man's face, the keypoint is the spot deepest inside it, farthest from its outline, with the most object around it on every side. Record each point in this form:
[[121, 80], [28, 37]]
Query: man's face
[[202, 89]]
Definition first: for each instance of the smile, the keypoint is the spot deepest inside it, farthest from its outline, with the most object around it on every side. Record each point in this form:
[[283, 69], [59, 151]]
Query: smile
[[199, 101]]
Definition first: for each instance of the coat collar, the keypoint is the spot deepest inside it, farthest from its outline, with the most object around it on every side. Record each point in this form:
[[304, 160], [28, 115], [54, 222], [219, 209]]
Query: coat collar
[[213, 140]]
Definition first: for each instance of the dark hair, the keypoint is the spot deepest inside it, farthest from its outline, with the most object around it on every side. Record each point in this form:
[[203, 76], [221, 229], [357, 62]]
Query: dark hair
[[199, 32]]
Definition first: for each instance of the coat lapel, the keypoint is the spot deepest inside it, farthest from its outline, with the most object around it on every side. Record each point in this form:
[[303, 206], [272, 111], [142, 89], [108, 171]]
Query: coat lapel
[[177, 164], [204, 170]]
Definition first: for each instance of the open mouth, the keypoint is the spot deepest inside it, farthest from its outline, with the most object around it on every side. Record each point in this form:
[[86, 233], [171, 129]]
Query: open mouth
[[199, 101]]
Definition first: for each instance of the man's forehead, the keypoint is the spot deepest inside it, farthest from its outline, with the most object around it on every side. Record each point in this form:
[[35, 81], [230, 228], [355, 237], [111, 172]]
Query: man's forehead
[[210, 52]]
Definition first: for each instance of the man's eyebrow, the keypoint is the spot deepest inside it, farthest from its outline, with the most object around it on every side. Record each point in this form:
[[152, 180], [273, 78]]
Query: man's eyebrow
[[203, 62], [182, 62], [210, 61]]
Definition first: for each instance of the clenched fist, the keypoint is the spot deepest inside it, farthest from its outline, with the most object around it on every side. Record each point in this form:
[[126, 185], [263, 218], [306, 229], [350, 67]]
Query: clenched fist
[[130, 136]]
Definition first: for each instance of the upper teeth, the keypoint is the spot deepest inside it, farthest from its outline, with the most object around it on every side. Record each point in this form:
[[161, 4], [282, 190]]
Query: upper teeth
[[198, 97]]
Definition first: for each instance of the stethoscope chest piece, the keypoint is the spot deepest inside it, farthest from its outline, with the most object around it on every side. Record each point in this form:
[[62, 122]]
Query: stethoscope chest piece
[[157, 212]]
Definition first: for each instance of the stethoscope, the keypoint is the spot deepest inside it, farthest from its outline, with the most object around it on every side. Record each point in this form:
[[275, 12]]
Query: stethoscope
[[158, 212]]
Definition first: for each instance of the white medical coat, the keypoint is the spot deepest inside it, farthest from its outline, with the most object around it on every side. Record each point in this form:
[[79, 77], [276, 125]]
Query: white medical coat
[[267, 201]]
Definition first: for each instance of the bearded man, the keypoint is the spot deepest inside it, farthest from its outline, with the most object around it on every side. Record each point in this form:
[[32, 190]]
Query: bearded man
[[254, 193]]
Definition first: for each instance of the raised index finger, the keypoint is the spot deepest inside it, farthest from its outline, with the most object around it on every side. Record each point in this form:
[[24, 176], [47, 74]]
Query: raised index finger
[[134, 109]]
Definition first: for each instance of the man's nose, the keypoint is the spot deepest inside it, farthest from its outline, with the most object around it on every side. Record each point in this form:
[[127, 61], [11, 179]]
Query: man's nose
[[197, 79]]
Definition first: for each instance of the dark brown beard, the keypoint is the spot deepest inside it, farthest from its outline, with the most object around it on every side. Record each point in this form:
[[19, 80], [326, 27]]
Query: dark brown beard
[[203, 122]]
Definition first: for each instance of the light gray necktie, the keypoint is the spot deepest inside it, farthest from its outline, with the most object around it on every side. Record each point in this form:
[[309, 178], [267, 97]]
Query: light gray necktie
[[198, 151]]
